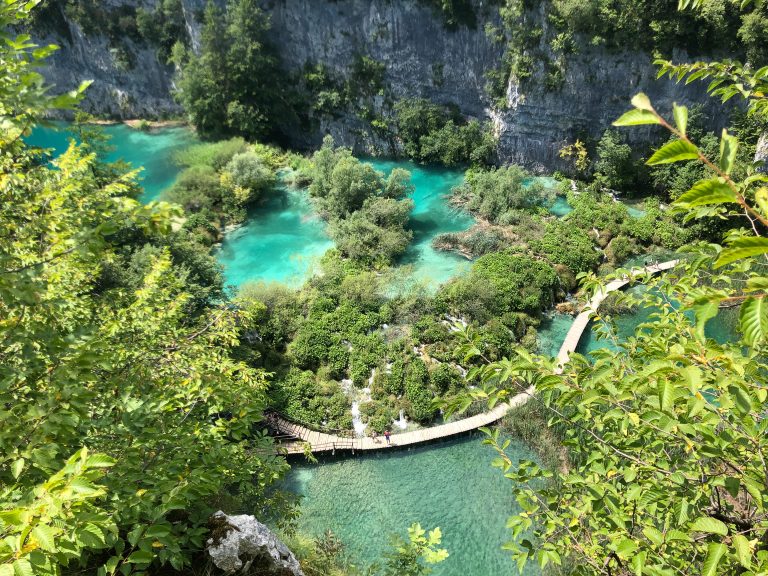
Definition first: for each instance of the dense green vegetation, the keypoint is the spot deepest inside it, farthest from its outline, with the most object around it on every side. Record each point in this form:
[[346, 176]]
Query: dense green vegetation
[[368, 213], [235, 86], [499, 195], [540, 54], [598, 233], [343, 329], [440, 134], [133, 390], [220, 181], [126, 418], [666, 436]]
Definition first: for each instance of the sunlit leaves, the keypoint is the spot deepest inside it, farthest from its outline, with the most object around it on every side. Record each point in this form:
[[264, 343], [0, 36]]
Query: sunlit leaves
[[642, 114], [636, 118], [674, 151], [754, 320], [709, 525], [727, 79], [681, 117], [709, 191], [728, 147], [740, 248], [715, 551]]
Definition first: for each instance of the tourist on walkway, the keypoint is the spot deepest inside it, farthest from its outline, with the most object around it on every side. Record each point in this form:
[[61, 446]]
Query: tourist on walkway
[[386, 436]]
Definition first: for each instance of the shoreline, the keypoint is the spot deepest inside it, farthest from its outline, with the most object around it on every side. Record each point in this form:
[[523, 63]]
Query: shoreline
[[139, 124]]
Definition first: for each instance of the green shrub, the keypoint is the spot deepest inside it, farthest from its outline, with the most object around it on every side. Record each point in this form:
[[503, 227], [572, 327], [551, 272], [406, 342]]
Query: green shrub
[[498, 194], [417, 391], [502, 282], [439, 134]]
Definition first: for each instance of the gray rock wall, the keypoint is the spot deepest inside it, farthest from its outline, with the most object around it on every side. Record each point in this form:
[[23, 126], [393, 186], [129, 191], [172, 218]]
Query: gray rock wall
[[422, 58], [761, 154]]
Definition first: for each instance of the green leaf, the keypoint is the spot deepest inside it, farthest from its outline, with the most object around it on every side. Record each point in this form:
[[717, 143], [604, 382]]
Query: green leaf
[[666, 395], [6, 570], [45, 536], [674, 151], [17, 467], [653, 535], [638, 562], [636, 118], [729, 145], [111, 565], [709, 525], [704, 311], [743, 550], [140, 557], [715, 552], [742, 248], [681, 117], [22, 567], [761, 197], [625, 548], [161, 530], [757, 283], [753, 320], [100, 461], [710, 191]]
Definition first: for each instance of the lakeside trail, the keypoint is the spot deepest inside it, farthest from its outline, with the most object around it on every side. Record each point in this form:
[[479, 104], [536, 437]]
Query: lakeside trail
[[315, 441]]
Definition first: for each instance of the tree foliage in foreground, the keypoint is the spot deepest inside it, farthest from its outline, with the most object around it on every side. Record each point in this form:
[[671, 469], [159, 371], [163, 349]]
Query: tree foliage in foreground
[[123, 421], [668, 436]]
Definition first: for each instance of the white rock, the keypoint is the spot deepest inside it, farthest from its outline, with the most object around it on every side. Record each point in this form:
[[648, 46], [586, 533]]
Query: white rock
[[249, 543]]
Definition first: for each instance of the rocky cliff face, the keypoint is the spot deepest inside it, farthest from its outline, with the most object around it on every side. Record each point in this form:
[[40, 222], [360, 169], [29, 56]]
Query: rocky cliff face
[[127, 83], [422, 58]]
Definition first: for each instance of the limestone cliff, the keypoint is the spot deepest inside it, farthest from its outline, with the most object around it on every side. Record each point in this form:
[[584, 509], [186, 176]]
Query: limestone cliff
[[422, 59]]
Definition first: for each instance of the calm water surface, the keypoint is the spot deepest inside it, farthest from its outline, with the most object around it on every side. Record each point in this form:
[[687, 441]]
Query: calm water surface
[[154, 150], [365, 499]]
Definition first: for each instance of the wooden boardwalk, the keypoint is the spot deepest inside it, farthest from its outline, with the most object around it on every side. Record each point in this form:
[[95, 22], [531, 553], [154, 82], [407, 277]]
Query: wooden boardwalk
[[321, 442]]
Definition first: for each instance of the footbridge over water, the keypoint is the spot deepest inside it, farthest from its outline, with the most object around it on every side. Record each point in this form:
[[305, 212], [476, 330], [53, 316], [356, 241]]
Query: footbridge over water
[[301, 439]]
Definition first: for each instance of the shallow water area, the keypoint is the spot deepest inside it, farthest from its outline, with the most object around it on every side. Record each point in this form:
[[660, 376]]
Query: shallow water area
[[432, 215], [281, 241], [365, 499], [153, 149]]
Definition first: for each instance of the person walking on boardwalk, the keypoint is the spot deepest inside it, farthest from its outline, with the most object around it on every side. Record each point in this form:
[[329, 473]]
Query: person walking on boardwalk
[[386, 436]]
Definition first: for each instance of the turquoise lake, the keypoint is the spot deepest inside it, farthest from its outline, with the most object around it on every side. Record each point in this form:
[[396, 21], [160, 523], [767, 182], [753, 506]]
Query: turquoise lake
[[282, 239], [364, 499], [154, 150]]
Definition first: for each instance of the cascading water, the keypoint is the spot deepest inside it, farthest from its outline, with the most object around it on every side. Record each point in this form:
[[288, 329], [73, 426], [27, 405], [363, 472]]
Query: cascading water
[[402, 423], [357, 423]]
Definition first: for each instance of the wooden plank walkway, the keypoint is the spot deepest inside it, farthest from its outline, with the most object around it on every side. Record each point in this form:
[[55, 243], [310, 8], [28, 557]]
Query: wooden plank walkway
[[322, 442]]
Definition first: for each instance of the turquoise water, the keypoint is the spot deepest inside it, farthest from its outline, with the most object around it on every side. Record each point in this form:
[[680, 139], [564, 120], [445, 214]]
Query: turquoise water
[[552, 331], [722, 328], [365, 499], [560, 207], [431, 216], [154, 150], [281, 241]]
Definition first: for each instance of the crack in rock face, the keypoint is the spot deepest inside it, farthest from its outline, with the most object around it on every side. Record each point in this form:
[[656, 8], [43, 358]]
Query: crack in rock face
[[243, 543]]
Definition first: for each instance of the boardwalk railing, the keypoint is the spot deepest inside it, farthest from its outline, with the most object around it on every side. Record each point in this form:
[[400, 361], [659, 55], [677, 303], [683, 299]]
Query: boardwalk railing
[[320, 441]]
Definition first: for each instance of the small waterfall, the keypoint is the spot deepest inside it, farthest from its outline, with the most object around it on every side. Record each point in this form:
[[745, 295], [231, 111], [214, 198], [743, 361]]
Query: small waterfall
[[357, 423], [402, 423]]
